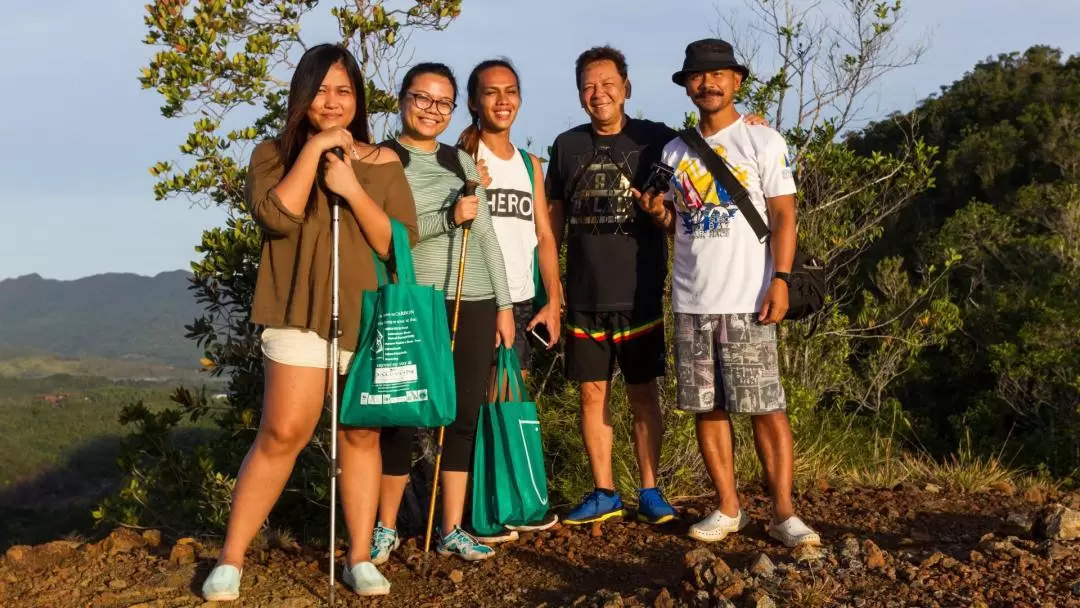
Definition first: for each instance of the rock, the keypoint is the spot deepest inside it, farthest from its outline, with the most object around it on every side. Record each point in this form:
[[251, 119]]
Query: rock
[[607, 599], [1054, 550], [58, 548], [758, 598], [922, 537], [182, 555], [933, 560], [18, 554], [152, 537], [697, 556], [932, 488], [1076, 588], [1061, 523], [874, 557], [849, 548], [664, 599], [122, 540], [730, 587], [597, 531], [456, 577], [117, 584], [807, 553], [763, 566], [1018, 523]]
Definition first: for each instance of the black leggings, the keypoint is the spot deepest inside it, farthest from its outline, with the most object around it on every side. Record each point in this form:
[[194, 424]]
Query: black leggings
[[472, 366]]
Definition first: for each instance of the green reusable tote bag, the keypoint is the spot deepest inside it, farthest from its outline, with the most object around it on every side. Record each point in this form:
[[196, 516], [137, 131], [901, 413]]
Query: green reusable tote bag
[[402, 373], [517, 452], [484, 517]]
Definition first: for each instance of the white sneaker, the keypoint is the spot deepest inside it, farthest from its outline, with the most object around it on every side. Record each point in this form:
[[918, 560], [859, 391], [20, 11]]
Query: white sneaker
[[793, 532], [717, 526]]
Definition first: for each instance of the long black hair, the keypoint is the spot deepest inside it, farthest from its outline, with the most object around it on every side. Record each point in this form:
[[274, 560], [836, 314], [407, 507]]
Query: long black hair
[[306, 80], [469, 140]]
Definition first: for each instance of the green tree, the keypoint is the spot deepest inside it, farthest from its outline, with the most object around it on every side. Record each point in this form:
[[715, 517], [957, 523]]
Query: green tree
[[1008, 200], [224, 66]]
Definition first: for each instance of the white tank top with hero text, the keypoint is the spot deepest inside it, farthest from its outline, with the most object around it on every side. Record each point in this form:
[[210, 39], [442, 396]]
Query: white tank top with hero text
[[510, 199]]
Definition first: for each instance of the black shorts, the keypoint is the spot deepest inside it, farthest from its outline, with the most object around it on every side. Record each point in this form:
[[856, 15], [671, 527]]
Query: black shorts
[[595, 341]]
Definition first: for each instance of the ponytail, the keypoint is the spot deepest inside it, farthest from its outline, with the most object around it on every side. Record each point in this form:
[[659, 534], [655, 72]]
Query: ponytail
[[469, 140]]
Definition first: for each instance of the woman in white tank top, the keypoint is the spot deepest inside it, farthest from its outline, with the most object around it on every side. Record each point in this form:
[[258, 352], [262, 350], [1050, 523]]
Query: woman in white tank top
[[516, 198], [519, 211]]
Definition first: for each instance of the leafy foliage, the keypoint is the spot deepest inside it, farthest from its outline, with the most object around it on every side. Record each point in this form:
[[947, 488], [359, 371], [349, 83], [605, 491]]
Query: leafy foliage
[[1008, 203]]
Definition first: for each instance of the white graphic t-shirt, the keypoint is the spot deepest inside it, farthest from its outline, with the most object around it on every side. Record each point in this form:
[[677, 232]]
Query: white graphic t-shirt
[[720, 265], [510, 200]]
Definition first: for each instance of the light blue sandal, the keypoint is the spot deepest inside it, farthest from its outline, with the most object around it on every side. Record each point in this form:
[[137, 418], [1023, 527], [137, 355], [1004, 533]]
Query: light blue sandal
[[223, 584], [365, 579]]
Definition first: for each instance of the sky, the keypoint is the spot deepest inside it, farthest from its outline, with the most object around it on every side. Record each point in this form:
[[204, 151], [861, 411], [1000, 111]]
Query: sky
[[77, 132]]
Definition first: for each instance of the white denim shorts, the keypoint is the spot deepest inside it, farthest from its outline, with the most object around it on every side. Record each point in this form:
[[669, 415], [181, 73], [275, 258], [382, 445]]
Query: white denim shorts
[[301, 348]]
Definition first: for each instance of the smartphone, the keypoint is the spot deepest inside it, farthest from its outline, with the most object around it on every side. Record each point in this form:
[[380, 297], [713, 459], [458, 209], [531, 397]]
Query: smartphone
[[541, 335]]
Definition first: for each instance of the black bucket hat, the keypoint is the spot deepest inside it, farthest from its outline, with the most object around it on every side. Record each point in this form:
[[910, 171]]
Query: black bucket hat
[[707, 55]]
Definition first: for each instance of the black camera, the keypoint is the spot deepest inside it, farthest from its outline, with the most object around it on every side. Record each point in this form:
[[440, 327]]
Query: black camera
[[659, 178]]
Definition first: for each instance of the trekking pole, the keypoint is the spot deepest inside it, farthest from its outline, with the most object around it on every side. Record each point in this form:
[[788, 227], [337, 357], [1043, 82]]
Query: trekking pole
[[335, 220], [470, 190]]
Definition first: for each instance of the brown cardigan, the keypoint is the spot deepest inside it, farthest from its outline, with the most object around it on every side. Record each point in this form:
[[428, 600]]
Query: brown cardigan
[[294, 280]]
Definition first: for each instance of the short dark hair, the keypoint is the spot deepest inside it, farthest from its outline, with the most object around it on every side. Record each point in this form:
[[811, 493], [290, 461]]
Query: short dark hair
[[601, 53], [428, 67]]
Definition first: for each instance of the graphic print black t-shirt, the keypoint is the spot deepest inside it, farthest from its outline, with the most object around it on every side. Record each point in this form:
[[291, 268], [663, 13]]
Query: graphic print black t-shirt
[[616, 257]]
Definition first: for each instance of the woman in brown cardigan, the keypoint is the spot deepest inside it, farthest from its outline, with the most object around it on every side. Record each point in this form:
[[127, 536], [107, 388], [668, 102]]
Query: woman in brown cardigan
[[326, 109]]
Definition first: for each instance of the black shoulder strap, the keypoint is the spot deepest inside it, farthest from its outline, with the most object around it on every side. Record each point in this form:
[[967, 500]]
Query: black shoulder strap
[[446, 156], [449, 159], [396, 146], [720, 172]]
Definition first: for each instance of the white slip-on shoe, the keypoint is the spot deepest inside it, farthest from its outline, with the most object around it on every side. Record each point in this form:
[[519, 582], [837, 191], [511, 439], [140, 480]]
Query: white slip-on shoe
[[793, 532], [717, 526], [223, 584], [365, 579]]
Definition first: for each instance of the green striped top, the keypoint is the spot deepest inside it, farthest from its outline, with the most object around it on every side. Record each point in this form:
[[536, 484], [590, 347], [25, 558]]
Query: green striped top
[[437, 253]]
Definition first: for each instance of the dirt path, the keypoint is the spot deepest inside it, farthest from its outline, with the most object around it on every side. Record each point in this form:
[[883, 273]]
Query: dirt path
[[908, 547]]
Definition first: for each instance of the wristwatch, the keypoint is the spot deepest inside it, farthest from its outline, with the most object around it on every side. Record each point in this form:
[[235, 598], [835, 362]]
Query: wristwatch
[[783, 276]]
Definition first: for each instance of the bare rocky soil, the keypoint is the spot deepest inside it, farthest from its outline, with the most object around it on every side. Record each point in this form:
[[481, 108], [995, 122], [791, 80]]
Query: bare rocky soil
[[902, 547]]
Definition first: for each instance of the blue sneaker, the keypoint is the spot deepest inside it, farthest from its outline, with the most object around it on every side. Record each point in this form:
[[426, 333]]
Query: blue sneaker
[[596, 506], [653, 508], [383, 542]]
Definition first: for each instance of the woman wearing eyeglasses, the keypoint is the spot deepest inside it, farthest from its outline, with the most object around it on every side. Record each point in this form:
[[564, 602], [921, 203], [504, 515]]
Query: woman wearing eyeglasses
[[427, 99]]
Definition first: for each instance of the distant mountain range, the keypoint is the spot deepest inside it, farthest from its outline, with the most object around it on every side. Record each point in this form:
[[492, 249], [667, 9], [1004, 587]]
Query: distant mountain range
[[116, 316]]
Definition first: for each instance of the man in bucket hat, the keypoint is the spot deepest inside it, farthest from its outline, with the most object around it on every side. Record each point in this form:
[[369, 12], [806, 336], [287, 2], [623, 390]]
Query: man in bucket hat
[[729, 289]]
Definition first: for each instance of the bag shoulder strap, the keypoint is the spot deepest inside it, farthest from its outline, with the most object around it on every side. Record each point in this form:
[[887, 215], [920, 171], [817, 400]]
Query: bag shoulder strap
[[396, 146], [725, 178], [529, 168], [449, 158], [403, 259]]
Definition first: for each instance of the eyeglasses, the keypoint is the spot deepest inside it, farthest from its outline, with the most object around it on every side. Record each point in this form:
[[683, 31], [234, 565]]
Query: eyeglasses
[[424, 102]]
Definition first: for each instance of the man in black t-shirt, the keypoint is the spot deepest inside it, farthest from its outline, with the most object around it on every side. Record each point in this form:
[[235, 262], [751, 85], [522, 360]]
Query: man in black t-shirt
[[616, 267]]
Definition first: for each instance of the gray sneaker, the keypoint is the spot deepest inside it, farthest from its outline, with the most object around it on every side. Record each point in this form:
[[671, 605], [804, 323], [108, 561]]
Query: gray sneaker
[[383, 542], [464, 545]]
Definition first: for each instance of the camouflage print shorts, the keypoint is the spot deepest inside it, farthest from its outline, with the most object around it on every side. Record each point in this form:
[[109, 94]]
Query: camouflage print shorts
[[727, 361]]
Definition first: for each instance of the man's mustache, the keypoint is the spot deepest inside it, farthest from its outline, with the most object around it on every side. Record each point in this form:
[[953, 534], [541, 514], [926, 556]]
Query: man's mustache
[[709, 93]]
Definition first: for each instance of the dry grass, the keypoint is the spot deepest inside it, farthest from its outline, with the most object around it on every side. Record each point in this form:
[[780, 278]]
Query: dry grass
[[816, 595]]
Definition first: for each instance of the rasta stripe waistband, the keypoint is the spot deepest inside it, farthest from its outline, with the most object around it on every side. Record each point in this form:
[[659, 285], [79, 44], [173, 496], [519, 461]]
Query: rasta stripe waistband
[[621, 335]]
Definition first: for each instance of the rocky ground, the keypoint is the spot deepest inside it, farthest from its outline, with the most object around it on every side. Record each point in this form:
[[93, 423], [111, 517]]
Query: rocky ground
[[902, 547]]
